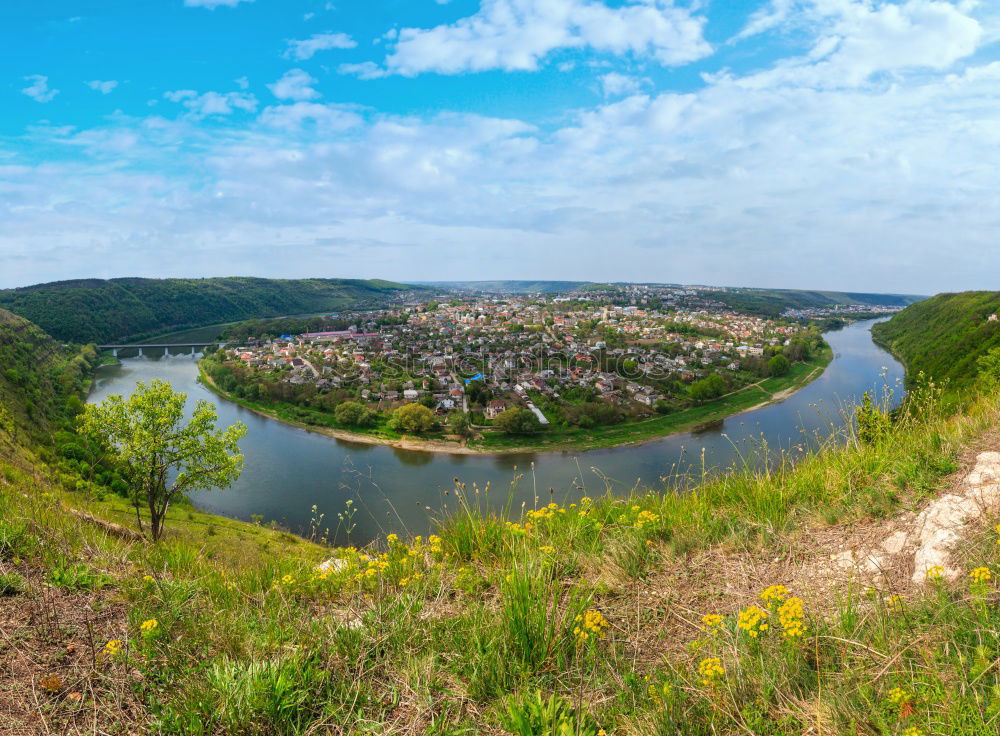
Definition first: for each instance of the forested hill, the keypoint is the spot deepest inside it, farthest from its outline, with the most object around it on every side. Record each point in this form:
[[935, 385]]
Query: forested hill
[[943, 336], [773, 302], [40, 380], [101, 311]]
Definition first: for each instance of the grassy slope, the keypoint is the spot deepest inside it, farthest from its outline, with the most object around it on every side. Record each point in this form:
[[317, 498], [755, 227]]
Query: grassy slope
[[943, 336], [104, 311]]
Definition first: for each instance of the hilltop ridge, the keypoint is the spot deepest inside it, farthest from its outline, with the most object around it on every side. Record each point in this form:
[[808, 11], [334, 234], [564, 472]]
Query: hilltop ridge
[[100, 311]]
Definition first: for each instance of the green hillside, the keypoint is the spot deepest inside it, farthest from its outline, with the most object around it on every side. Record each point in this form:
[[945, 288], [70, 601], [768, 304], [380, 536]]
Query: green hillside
[[944, 336], [772, 302], [101, 311], [40, 380]]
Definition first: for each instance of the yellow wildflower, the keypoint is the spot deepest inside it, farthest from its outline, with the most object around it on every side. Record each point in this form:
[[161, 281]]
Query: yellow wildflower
[[711, 623], [711, 671], [646, 517], [934, 573], [913, 731], [774, 594], [792, 618], [587, 500], [980, 575], [895, 603], [149, 626], [112, 648], [148, 578], [898, 695], [590, 623], [547, 549], [392, 538], [753, 620], [287, 580]]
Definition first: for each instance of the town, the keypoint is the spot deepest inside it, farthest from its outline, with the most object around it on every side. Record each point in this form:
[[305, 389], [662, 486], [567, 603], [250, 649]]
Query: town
[[517, 363]]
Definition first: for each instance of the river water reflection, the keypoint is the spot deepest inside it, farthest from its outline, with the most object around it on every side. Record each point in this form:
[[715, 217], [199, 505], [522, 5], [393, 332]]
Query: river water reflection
[[289, 470]]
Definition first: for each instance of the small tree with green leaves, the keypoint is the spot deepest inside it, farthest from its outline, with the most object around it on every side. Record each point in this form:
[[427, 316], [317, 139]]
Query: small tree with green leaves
[[161, 455], [778, 365], [354, 414], [873, 422], [412, 418], [517, 421]]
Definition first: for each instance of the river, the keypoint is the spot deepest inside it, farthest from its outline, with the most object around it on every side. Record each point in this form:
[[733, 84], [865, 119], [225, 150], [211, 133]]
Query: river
[[290, 470]]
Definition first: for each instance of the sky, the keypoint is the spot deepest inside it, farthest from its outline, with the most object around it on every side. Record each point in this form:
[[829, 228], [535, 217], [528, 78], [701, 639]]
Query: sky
[[829, 144]]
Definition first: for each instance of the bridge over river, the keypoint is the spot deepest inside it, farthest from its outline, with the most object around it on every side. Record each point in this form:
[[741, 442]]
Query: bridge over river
[[191, 347]]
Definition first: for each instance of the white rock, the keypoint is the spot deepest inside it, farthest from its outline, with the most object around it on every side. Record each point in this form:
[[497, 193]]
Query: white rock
[[332, 565], [894, 543]]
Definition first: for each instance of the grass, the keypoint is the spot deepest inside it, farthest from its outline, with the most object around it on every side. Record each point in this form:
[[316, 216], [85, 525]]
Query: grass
[[480, 627]]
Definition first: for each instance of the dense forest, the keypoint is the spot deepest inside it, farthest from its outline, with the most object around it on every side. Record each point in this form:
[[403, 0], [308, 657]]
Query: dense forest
[[943, 337], [98, 311], [40, 381], [773, 302]]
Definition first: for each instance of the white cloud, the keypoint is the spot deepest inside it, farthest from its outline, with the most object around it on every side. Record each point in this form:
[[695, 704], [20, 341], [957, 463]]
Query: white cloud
[[103, 87], [614, 84], [242, 83], [855, 40], [213, 4], [363, 70], [306, 48], [296, 84], [329, 118], [39, 90], [213, 103], [516, 35]]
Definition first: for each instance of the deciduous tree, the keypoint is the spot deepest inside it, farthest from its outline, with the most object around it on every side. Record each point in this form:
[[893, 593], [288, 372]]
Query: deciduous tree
[[161, 455]]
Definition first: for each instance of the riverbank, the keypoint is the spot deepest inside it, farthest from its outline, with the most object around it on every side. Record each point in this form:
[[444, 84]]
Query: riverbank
[[755, 396]]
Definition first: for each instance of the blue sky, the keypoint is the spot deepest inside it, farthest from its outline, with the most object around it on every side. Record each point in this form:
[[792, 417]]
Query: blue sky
[[843, 144]]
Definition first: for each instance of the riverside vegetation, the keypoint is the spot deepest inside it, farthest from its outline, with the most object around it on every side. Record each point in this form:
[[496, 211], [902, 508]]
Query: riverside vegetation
[[660, 613]]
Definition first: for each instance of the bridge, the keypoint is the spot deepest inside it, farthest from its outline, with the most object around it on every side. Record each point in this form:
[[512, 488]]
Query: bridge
[[166, 347]]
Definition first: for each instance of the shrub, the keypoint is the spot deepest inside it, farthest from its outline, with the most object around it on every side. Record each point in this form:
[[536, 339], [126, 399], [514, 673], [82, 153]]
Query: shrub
[[778, 365], [517, 421], [353, 414], [412, 418]]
